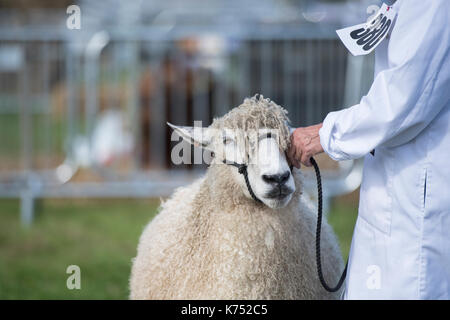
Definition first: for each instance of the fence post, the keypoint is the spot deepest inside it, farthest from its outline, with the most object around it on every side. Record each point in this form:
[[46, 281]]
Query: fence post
[[26, 207]]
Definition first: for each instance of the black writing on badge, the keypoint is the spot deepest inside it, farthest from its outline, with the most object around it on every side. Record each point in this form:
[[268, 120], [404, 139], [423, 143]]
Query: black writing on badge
[[368, 38], [363, 38]]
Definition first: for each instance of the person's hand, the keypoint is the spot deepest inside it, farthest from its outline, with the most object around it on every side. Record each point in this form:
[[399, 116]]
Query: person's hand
[[305, 143]]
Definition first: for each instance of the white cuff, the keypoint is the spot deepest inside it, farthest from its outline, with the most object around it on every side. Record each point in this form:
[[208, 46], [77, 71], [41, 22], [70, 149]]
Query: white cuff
[[328, 139]]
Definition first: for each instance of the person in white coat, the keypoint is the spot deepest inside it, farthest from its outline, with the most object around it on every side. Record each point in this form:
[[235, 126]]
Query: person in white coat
[[401, 241]]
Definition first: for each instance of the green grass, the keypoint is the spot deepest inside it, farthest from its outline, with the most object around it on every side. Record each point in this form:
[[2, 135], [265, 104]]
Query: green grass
[[343, 217], [98, 236]]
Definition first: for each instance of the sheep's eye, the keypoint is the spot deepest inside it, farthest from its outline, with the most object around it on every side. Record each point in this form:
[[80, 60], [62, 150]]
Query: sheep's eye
[[227, 140], [267, 135]]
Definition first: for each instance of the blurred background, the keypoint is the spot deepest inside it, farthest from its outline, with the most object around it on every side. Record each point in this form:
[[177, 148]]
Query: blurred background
[[85, 94]]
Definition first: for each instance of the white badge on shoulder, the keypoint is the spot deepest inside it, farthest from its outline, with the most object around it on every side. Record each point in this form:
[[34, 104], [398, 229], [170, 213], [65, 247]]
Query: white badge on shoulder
[[365, 37]]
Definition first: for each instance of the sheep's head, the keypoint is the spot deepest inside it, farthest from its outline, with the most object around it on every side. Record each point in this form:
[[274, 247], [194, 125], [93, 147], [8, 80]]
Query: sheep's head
[[256, 134]]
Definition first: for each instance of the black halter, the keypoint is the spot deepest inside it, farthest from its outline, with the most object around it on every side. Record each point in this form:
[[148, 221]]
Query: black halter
[[242, 169]]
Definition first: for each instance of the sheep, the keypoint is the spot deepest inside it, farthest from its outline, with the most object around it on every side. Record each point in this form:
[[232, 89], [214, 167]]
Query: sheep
[[212, 240]]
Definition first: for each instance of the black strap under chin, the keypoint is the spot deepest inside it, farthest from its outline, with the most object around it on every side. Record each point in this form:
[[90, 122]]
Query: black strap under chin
[[242, 169]]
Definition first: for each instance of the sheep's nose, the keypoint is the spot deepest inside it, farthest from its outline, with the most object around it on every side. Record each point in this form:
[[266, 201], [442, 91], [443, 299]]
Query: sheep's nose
[[277, 178]]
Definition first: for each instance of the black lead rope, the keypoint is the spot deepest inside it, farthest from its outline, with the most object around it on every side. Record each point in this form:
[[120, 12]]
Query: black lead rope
[[318, 231], [242, 169]]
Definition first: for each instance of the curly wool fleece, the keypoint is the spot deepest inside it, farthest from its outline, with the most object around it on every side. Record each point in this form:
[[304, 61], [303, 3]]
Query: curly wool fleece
[[257, 113], [209, 241]]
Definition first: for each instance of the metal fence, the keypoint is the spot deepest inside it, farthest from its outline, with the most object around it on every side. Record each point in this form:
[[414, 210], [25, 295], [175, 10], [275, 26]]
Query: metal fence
[[89, 119]]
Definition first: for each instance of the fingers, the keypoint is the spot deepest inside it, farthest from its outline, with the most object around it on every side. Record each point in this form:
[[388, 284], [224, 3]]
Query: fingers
[[306, 160], [313, 148], [302, 140], [296, 157], [305, 155], [296, 163], [293, 160], [290, 153], [305, 143], [293, 155]]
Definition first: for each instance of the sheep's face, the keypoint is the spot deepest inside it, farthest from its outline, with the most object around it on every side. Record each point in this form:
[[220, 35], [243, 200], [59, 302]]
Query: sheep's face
[[256, 134], [268, 170]]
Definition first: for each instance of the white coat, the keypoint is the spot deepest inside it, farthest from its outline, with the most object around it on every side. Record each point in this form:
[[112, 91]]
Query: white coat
[[401, 242]]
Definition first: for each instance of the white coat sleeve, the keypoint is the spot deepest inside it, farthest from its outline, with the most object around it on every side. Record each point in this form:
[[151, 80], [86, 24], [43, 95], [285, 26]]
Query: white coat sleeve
[[405, 97]]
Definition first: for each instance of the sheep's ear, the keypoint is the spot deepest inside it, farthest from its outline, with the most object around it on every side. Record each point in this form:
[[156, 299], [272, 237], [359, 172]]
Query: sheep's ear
[[198, 136]]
